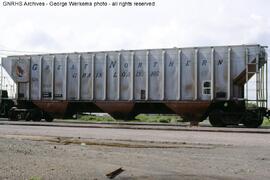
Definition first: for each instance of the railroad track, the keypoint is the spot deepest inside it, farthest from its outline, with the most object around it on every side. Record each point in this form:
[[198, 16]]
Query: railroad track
[[140, 126]]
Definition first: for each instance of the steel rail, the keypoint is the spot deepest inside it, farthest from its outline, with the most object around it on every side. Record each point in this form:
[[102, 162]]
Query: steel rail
[[139, 126]]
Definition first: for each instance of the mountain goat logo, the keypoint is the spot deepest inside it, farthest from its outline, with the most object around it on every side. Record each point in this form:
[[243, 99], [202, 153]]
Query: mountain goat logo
[[19, 71]]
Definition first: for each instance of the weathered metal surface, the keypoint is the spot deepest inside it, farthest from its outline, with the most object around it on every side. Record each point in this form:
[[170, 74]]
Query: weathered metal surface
[[115, 107], [157, 75], [118, 110], [189, 109], [58, 107]]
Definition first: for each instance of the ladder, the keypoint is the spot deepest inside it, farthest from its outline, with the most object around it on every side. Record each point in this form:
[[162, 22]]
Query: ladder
[[257, 67]]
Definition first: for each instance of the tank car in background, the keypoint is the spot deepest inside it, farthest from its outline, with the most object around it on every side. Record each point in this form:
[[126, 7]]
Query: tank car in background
[[193, 82]]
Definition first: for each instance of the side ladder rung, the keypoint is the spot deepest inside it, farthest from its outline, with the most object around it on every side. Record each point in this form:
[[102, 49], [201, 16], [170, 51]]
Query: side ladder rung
[[251, 72]]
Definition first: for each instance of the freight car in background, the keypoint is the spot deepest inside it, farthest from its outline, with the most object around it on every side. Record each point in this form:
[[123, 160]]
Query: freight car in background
[[6, 103], [194, 82]]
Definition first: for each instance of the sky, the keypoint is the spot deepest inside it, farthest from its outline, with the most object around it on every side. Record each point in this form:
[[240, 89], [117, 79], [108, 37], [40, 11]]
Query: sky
[[171, 23]]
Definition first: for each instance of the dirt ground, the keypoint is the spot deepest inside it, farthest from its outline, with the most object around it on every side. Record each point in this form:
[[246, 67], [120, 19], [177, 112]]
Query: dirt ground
[[90, 153]]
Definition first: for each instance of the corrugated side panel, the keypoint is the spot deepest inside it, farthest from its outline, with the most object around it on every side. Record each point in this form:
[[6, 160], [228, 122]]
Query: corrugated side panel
[[140, 74], [113, 62], [221, 70], [73, 76], [155, 75], [204, 71], [100, 82], [47, 77], [172, 75], [126, 76], [87, 75], [188, 76], [59, 77], [35, 77], [20, 71]]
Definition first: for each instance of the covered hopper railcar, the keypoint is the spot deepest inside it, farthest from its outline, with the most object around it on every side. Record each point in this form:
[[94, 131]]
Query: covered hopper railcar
[[195, 83]]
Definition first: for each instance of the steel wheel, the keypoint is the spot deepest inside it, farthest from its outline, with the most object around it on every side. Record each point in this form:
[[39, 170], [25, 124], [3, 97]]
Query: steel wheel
[[48, 117], [36, 115], [215, 118], [252, 119], [13, 115]]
